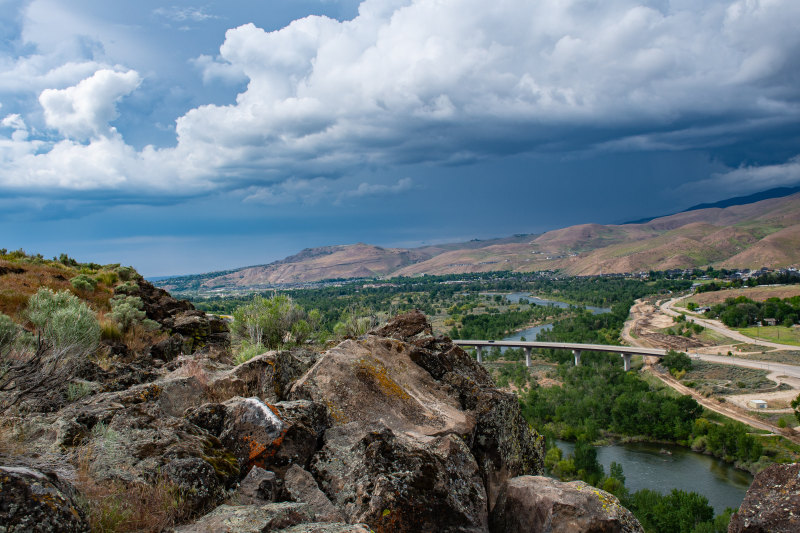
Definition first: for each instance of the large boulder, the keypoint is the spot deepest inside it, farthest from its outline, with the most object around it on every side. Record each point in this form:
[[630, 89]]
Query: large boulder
[[396, 483], [31, 501], [266, 376], [404, 377], [537, 503], [772, 502], [272, 436]]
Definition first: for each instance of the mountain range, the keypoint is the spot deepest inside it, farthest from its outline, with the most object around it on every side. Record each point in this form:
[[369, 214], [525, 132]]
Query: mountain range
[[752, 235]]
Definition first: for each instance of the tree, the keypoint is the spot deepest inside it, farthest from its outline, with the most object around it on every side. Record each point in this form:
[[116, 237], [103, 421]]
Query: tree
[[271, 322], [677, 361]]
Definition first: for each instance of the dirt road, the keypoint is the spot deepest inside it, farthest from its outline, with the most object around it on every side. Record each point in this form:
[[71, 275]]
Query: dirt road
[[641, 329]]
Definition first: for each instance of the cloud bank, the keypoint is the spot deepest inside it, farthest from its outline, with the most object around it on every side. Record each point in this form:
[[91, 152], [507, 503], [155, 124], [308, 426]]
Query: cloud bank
[[426, 81]]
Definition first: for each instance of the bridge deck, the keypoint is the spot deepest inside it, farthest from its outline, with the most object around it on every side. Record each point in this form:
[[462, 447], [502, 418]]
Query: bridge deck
[[628, 350]]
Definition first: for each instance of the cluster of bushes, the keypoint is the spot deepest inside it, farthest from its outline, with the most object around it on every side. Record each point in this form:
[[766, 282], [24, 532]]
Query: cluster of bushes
[[729, 440], [741, 312]]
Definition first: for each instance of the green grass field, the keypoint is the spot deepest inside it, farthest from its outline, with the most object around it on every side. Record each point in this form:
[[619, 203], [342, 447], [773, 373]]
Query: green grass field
[[779, 334]]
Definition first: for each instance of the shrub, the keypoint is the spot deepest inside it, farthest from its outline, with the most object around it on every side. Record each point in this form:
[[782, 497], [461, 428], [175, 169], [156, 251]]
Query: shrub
[[76, 391], [129, 287], [247, 351], [271, 321], [677, 361], [64, 321], [127, 311], [8, 333], [127, 273], [83, 283], [106, 277]]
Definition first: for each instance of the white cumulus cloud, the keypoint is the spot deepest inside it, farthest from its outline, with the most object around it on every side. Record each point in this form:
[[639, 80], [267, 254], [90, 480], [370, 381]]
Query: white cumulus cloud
[[409, 81], [86, 109]]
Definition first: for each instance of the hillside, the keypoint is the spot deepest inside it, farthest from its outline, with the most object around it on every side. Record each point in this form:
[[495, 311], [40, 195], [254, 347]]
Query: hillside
[[763, 233]]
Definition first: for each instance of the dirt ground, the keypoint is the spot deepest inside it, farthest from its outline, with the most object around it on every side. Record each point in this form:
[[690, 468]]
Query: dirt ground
[[644, 325]]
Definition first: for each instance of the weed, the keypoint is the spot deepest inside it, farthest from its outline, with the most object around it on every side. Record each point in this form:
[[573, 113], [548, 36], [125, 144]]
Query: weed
[[76, 391]]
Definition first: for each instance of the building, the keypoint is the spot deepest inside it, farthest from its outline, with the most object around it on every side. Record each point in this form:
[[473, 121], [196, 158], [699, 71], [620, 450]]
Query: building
[[757, 404]]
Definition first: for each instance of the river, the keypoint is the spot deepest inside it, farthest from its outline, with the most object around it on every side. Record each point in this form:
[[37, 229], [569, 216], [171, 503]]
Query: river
[[530, 333], [643, 464], [646, 468]]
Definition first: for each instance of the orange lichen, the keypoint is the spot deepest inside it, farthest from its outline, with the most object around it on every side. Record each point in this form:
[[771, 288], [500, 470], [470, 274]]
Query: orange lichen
[[376, 372]]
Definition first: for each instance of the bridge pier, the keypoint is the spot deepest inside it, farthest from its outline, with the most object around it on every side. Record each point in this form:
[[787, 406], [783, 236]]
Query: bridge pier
[[480, 353], [577, 354], [527, 356], [626, 361]]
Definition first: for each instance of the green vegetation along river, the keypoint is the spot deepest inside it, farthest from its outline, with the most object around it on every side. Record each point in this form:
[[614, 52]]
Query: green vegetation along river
[[646, 467]]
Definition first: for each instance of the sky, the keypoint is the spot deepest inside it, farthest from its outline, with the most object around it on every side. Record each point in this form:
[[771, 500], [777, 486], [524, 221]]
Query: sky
[[184, 137]]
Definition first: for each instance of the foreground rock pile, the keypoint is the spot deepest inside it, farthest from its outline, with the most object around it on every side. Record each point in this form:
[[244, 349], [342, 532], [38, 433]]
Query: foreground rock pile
[[396, 431]]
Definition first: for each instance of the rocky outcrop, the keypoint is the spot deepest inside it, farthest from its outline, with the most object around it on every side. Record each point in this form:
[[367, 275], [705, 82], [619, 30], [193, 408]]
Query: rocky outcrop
[[772, 502], [35, 502], [397, 483], [536, 503], [399, 430], [420, 385]]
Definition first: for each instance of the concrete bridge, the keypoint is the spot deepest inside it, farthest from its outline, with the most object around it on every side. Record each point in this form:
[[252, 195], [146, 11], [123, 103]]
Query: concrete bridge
[[625, 351]]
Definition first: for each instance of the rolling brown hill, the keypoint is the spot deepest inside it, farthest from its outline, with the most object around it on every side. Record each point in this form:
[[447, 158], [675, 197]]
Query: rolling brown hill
[[764, 233]]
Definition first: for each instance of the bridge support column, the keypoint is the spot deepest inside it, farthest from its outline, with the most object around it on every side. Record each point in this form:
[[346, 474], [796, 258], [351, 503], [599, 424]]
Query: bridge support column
[[577, 354], [528, 356], [480, 353], [626, 360]]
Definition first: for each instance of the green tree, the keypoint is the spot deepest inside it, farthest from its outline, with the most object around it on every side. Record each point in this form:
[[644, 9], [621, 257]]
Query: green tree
[[270, 322]]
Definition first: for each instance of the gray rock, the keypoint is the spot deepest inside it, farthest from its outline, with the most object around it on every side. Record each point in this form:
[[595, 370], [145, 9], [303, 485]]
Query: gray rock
[[249, 518], [272, 437], [197, 481], [31, 501], [394, 482], [252, 431], [258, 487], [772, 503], [537, 503], [301, 487], [322, 527], [419, 384]]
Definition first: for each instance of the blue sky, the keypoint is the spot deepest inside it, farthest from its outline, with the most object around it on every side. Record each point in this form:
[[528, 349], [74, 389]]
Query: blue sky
[[186, 137]]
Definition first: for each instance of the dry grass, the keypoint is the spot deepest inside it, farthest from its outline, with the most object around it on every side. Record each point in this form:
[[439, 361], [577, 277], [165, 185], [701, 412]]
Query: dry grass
[[757, 294], [138, 339], [21, 280], [116, 506]]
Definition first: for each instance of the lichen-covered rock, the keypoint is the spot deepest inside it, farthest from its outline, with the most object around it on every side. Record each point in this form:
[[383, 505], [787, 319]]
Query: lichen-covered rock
[[424, 385], [258, 487], [272, 436], [252, 431], [31, 501], [266, 376], [537, 503], [324, 527], [772, 503], [396, 483], [197, 481], [250, 518], [301, 487]]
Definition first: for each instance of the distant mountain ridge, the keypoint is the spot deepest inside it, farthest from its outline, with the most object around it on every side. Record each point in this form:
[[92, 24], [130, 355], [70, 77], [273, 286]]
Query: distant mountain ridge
[[777, 192], [750, 235]]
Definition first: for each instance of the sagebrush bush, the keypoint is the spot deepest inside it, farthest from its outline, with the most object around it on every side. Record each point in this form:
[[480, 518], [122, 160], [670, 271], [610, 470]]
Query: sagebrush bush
[[127, 311], [83, 283], [64, 321]]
